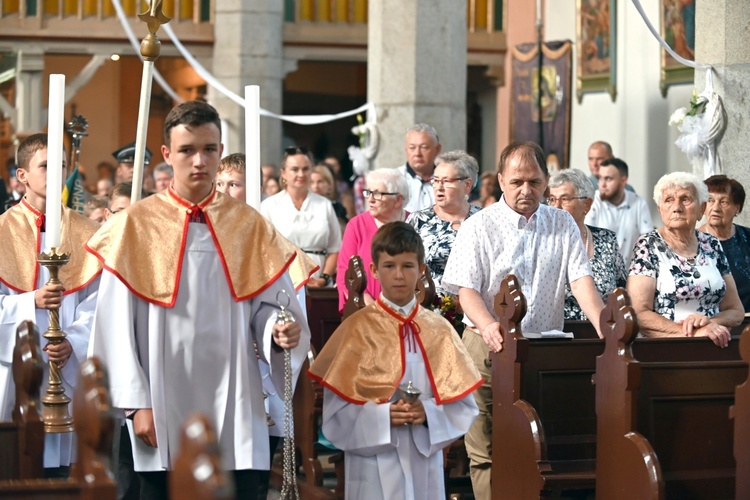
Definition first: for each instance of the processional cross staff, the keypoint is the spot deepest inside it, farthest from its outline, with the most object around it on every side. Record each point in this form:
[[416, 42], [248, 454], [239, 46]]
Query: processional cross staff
[[150, 48]]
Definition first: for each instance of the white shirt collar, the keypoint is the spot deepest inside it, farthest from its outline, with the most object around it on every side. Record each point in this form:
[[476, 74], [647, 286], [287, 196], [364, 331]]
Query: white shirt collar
[[406, 309]]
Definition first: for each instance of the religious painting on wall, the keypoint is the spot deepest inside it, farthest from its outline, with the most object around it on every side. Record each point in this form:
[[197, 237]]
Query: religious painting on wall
[[541, 106], [678, 30], [596, 61]]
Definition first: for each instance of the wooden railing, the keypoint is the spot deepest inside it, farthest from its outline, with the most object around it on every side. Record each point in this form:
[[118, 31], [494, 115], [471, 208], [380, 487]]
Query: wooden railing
[[197, 11]]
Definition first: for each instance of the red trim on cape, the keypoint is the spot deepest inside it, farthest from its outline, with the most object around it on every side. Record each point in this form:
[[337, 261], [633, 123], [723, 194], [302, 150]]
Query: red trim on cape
[[309, 277], [17, 290], [68, 292], [123, 281]]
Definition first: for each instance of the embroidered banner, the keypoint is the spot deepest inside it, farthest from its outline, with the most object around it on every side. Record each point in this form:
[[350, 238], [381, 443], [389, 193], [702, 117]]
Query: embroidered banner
[[555, 84]]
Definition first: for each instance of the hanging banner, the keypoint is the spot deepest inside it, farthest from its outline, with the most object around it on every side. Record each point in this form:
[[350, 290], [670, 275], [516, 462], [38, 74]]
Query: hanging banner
[[555, 84]]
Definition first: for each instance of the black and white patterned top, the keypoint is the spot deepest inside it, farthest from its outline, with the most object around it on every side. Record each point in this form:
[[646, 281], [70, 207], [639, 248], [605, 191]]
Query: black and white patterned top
[[607, 266], [683, 285], [437, 237]]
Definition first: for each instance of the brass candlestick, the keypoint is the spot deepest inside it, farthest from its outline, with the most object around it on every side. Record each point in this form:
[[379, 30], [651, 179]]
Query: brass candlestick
[[55, 411]]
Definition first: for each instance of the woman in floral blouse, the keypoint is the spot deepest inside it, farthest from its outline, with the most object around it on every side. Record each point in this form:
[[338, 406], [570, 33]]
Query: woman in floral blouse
[[680, 283], [453, 179], [572, 191]]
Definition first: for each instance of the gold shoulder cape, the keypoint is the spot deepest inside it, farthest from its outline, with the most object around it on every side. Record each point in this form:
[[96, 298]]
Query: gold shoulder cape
[[20, 242], [144, 247], [364, 360]]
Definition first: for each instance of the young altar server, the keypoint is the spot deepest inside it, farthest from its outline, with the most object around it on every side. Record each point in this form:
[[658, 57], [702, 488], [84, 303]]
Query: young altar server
[[393, 449], [192, 277], [25, 295]]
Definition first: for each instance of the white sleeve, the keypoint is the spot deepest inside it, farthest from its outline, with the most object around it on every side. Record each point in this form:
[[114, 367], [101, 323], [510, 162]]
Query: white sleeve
[[468, 261], [113, 340], [445, 424], [79, 332], [262, 322], [360, 429], [13, 309]]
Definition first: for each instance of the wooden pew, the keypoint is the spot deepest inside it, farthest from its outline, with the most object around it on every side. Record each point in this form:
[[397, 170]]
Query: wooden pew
[[740, 412], [197, 470], [22, 440], [91, 476], [665, 398], [544, 423]]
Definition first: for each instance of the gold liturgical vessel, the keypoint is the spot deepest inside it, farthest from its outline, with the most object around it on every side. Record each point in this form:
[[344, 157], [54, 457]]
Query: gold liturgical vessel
[[55, 411]]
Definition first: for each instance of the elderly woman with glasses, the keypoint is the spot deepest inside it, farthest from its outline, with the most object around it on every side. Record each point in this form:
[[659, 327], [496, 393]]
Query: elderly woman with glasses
[[572, 191], [680, 282], [726, 197], [305, 218], [453, 179], [386, 193]]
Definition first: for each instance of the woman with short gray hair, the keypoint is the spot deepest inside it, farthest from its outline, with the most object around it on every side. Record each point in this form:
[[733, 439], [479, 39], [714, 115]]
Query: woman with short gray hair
[[454, 177], [386, 193], [572, 191], [680, 282]]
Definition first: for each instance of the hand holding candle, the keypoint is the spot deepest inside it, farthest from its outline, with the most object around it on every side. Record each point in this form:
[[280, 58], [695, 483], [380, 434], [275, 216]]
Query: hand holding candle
[[55, 159]]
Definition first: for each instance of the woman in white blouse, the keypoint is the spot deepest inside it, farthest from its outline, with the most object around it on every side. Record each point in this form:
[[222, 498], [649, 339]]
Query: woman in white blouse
[[305, 218]]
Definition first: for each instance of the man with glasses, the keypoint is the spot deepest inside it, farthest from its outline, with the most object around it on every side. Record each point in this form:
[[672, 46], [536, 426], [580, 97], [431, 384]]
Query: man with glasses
[[619, 210], [422, 147], [542, 247]]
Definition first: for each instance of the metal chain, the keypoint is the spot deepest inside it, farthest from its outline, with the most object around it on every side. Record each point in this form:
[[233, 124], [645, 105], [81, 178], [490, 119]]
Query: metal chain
[[289, 488]]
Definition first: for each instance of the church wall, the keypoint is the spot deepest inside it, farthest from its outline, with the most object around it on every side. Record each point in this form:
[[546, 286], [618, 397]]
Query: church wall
[[636, 123]]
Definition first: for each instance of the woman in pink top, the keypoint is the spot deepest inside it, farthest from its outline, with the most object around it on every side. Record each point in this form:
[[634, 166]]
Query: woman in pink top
[[386, 193]]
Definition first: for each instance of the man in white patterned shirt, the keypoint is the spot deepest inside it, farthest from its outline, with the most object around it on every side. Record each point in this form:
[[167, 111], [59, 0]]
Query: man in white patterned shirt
[[542, 247], [422, 146]]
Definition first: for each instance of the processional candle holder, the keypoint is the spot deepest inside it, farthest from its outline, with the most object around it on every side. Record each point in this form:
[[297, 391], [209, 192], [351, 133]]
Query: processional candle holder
[[55, 403]]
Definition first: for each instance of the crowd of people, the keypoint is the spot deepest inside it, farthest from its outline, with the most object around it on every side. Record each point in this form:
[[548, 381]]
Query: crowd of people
[[194, 328]]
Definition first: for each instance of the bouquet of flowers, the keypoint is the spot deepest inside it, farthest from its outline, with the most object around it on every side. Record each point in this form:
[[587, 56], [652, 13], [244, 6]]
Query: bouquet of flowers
[[448, 307]]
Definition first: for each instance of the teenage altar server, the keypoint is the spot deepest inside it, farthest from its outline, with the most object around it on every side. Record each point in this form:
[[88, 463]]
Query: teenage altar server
[[393, 446], [24, 294], [192, 277]]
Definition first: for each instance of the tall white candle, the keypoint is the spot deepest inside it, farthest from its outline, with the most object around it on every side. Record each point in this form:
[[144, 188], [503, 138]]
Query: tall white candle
[[55, 159], [252, 146], [141, 131], [538, 13]]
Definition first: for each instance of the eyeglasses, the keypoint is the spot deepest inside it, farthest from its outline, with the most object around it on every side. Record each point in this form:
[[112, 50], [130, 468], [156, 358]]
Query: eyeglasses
[[423, 148], [376, 195], [565, 200], [449, 182]]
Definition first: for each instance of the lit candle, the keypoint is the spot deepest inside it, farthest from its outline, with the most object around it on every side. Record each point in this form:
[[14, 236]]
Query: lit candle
[[141, 131], [56, 111], [252, 146]]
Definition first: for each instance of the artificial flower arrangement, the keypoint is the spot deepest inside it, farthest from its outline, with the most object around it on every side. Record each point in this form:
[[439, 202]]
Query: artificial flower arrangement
[[701, 127]]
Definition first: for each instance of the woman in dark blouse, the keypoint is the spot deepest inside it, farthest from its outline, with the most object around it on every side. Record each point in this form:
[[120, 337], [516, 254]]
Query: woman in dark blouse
[[726, 197], [571, 191]]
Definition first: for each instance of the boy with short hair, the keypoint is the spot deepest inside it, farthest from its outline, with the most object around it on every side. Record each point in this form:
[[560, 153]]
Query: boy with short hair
[[25, 295], [96, 208], [393, 448], [230, 178]]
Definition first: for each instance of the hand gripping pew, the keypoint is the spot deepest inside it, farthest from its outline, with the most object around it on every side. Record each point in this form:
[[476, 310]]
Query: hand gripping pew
[[664, 427], [544, 421]]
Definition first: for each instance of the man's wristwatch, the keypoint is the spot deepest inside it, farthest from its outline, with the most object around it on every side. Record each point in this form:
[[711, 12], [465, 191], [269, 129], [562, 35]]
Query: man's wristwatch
[[328, 279]]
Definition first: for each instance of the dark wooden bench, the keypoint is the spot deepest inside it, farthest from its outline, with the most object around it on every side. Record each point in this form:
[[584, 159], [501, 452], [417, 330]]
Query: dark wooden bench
[[91, 477], [22, 440], [664, 421], [740, 413], [544, 423]]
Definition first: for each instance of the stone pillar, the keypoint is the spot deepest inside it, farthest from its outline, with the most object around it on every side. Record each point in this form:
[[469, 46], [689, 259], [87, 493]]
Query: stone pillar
[[722, 39], [416, 56], [248, 50], [29, 98]]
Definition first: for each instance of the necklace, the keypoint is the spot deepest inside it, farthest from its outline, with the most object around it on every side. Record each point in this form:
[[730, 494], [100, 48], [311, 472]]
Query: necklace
[[586, 244]]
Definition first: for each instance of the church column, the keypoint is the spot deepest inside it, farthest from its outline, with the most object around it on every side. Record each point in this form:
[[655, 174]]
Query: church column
[[722, 39], [254, 58], [416, 56], [30, 66]]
